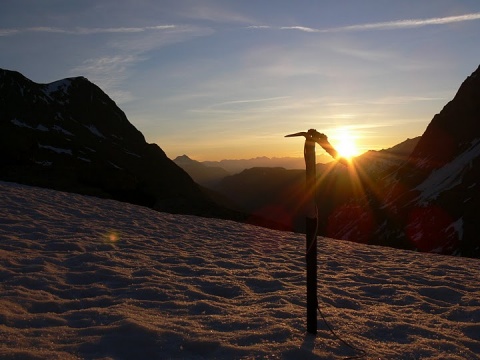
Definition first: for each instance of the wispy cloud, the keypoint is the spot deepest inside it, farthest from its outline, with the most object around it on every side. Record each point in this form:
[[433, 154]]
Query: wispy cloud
[[123, 50], [203, 11], [109, 72], [387, 25], [110, 65], [8, 32], [397, 100], [409, 23], [246, 105], [87, 31], [249, 101], [84, 30], [300, 28], [259, 27]]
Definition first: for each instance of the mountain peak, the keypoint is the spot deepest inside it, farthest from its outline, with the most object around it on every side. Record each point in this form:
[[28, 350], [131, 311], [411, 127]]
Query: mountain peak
[[183, 157], [69, 135], [453, 129]]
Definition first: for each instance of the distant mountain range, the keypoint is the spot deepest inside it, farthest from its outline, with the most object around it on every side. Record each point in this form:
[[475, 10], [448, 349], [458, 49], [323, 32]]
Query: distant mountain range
[[276, 193], [69, 135], [206, 175], [211, 173], [233, 166]]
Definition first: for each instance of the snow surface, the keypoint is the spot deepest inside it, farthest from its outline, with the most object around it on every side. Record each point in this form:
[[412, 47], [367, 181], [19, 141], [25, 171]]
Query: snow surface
[[19, 123], [93, 129], [62, 130], [55, 149], [60, 85], [85, 278], [449, 175]]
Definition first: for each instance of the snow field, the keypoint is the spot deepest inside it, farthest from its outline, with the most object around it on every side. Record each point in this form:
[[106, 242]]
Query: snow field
[[88, 278]]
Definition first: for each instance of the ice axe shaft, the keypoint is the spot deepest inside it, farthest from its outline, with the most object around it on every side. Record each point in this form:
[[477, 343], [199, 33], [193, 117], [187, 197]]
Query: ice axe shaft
[[312, 136]]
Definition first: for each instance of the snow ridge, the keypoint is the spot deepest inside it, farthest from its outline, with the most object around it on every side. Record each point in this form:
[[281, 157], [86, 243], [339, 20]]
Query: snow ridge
[[60, 85]]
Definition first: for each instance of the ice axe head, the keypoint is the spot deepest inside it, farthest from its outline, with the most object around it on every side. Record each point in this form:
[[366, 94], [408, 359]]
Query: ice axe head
[[322, 140], [312, 135]]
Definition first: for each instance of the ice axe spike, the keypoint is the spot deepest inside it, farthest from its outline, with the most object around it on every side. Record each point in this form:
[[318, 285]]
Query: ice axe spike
[[302, 133]]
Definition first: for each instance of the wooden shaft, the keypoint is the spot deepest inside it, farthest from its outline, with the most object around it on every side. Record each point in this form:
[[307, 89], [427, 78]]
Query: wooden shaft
[[311, 236]]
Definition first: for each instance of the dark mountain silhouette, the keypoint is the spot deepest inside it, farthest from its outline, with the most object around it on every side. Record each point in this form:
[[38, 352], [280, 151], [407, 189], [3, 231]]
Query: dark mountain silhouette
[[69, 135], [271, 193], [378, 163], [235, 166], [278, 193], [432, 202], [208, 176]]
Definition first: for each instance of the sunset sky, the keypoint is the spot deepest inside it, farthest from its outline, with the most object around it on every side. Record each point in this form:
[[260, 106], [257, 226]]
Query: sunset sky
[[228, 79]]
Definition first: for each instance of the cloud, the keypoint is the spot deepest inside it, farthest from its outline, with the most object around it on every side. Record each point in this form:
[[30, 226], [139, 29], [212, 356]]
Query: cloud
[[109, 72], [249, 101], [405, 24], [149, 40], [387, 25], [124, 49], [407, 99], [243, 106], [8, 32], [300, 28], [88, 31], [202, 11], [85, 31], [259, 27]]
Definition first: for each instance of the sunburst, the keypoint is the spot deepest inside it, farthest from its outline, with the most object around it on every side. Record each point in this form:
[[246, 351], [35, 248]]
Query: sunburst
[[346, 144]]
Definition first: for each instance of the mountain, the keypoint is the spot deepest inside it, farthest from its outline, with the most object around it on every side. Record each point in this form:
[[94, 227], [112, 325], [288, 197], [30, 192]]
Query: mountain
[[89, 278], [69, 135], [432, 202], [378, 163], [277, 193], [271, 193], [207, 176], [238, 165]]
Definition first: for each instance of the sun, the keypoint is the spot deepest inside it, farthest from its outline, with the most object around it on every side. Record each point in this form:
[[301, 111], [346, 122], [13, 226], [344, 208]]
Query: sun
[[345, 144]]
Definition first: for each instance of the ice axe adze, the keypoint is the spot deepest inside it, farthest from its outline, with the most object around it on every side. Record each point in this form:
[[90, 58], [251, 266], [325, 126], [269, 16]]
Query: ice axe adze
[[312, 136]]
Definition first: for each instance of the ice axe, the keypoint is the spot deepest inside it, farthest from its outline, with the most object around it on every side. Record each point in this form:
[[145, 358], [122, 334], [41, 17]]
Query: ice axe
[[312, 136]]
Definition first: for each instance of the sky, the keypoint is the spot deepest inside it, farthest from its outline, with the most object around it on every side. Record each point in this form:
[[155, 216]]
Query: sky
[[228, 79]]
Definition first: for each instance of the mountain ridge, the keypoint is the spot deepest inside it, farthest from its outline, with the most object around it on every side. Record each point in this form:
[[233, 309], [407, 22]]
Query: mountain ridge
[[431, 202], [71, 136], [235, 166], [211, 173]]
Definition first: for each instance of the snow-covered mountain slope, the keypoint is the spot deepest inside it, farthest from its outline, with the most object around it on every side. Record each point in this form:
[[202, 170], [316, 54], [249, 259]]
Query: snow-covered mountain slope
[[431, 202], [376, 164], [69, 135], [84, 278]]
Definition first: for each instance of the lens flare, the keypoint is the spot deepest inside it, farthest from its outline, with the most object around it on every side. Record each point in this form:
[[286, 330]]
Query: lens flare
[[112, 236]]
